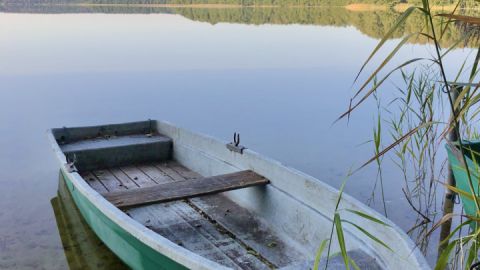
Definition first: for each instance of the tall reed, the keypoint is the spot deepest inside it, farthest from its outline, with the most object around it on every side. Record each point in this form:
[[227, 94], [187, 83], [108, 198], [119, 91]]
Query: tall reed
[[419, 123]]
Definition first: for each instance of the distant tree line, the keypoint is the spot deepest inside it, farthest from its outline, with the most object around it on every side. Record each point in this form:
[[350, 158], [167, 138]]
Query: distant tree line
[[244, 2], [374, 23]]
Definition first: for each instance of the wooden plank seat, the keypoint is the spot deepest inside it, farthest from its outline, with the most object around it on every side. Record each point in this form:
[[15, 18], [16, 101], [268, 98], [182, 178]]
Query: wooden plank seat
[[100, 143], [185, 189], [112, 151]]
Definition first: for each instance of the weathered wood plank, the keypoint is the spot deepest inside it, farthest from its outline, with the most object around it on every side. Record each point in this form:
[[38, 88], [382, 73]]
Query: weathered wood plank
[[73, 134], [181, 170], [163, 167], [100, 153], [181, 224], [141, 179], [109, 180], [186, 189], [250, 229], [184, 225], [93, 181], [155, 174], [123, 178], [244, 225]]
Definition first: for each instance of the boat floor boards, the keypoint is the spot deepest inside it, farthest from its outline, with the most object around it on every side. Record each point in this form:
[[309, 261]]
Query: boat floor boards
[[212, 226]]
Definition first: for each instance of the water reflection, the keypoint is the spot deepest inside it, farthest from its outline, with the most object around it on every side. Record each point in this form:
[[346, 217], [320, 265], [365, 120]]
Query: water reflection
[[372, 22], [83, 249]]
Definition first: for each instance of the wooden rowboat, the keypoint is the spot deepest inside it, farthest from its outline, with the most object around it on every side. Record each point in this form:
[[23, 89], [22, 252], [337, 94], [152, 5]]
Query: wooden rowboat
[[161, 197]]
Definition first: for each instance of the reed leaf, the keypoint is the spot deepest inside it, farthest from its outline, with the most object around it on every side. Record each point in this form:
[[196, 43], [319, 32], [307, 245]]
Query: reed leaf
[[475, 65], [376, 86], [444, 257], [336, 220], [363, 215], [444, 219], [442, 32], [452, 233], [385, 62], [397, 142], [369, 235], [318, 256], [387, 36], [459, 191], [354, 264], [456, 43], [472, 254], [341, 239], [461, 18]]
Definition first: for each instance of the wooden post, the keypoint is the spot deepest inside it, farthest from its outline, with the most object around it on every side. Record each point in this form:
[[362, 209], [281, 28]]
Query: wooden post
[[449, 200]]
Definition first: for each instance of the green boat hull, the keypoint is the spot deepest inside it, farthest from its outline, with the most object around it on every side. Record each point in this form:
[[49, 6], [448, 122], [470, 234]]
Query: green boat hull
[[128, 248], [78, 240], [472, 151]]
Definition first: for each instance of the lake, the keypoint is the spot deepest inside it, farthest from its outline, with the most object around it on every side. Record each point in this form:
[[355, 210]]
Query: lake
[[279, 76]]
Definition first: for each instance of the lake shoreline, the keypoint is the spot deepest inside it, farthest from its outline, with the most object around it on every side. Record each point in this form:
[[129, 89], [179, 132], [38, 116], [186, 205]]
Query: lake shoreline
[[350, 7]]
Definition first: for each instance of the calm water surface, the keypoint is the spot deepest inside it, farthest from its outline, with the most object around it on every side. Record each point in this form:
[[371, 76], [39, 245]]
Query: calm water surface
[[280, 84]]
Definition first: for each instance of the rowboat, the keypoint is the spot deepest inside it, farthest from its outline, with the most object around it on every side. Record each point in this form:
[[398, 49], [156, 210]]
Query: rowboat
[[462, 182], [162, 197]]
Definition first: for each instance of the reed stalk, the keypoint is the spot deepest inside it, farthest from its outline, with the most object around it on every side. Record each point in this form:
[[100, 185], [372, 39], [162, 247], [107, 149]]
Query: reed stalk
[[416, 130]]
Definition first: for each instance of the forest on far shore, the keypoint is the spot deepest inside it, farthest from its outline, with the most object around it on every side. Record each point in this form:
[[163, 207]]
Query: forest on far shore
[[465, 3]]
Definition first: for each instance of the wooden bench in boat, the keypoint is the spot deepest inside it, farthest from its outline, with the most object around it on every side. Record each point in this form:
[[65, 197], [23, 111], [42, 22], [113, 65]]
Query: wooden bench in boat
[[185, 189], [110, 150]]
